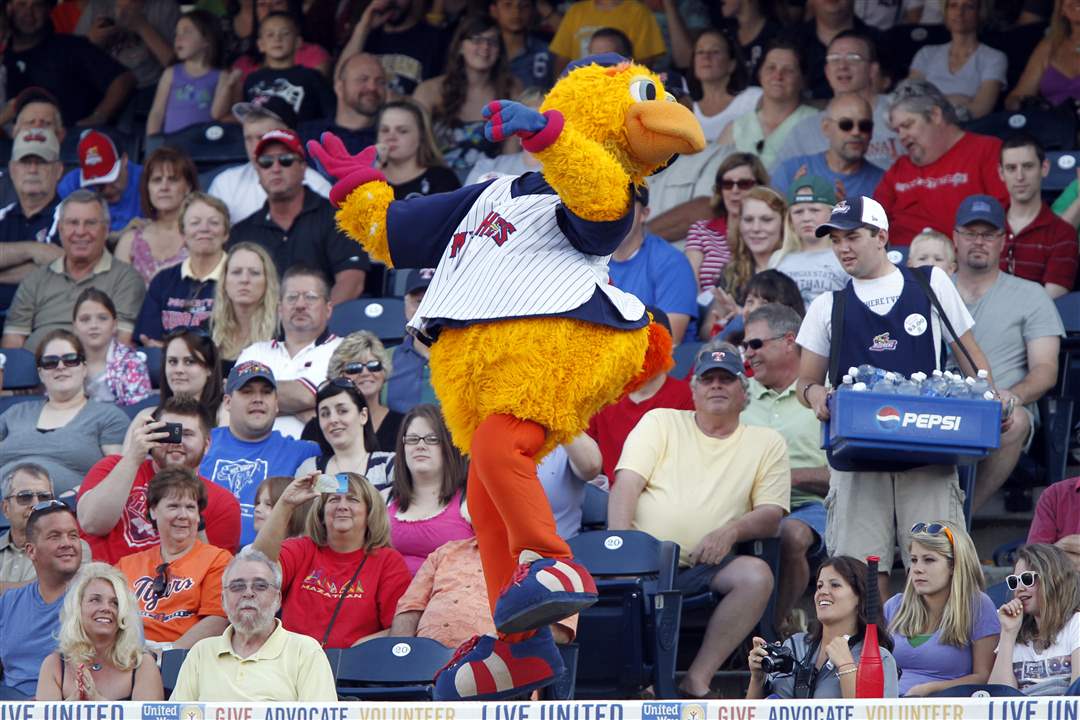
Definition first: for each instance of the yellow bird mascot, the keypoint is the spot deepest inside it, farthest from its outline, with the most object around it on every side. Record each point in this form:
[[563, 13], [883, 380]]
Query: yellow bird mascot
[[528, 338]]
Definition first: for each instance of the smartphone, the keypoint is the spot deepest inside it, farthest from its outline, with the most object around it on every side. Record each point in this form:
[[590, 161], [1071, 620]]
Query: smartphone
[[176, 433]]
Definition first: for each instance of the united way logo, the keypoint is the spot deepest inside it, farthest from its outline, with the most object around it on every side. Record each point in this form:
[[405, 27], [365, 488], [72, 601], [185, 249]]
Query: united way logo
[[888, 418]]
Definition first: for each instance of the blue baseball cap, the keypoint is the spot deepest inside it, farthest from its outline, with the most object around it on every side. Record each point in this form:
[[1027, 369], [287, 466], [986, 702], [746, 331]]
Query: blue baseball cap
[[853, 214], [980, 208], [718, 360], [247, 371], [603, 60]]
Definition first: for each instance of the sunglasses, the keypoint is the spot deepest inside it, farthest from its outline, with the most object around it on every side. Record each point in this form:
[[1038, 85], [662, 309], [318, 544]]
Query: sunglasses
[[46, 508], [285, 160], [27, 497], [758, 343], [68, 360], [1027, 579], [743, 184], [847, 124], [933, 529], [240, 586], [355, 368], [161, 580]]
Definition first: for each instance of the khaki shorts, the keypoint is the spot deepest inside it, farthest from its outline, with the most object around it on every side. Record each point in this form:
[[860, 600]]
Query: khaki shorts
[[871, 513]]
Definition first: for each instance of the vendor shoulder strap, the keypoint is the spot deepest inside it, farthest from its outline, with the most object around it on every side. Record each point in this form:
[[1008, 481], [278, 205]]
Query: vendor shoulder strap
[[924, 282], [344, 592]]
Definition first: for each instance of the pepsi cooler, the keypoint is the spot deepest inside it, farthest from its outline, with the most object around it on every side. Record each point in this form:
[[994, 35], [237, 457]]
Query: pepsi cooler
[[879, 427]]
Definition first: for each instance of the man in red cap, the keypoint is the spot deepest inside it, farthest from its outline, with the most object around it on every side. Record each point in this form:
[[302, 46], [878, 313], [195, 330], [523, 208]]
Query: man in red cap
[[106, 171], [295, 224]]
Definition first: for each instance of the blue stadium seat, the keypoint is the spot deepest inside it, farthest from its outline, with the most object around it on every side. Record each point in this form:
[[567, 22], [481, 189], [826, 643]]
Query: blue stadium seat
[[629, 639], [153, 358], [1055, 128], [685, 354], [978, 691], [383, 316], [7, 401], [151, 401], [20, 370], [565, 687], [394, 286], [594, 509], [171, 660], [999, 593], [901, 42], [209, 144], [389, 668], [1062, 172]]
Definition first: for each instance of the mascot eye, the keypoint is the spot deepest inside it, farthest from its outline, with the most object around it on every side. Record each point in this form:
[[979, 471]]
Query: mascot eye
[[642, 89]]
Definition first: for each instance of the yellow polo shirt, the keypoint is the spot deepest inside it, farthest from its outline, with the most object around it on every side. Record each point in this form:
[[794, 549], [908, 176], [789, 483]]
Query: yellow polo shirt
[[289, 667], [694, 483]]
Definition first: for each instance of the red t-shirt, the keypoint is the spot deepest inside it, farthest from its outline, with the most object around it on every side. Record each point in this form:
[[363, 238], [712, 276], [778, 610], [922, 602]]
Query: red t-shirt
[[134, 533], [610, 426], [1057, 513], [313, 578], [920, 197], [1044, 252]]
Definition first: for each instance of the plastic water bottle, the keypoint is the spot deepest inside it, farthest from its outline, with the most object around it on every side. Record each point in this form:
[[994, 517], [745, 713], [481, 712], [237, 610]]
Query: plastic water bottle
[[958, 389], [907, 387], [980, 384], [859, 387], [887, 384], [868, 374], [846, 384]]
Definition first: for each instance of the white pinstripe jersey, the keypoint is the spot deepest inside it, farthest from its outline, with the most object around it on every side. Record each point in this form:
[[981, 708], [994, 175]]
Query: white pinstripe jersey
[[508, 258]]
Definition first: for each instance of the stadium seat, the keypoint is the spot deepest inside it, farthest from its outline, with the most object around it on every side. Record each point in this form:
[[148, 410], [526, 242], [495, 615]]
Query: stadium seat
[[901, 43], [685, 354], [594, 509], [209, 144], [1018, 43], [20, 370], [1062, 172], [1054, 128], [394, 285], [383, 316], [7, 401], [564, 687], [152, 356], [151, 401], [389, 668], [978, 691], [171, 660], [629, 639], [999, 593]]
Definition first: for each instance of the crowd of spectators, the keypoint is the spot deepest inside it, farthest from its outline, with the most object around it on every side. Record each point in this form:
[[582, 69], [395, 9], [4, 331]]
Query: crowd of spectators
[[188, 510]]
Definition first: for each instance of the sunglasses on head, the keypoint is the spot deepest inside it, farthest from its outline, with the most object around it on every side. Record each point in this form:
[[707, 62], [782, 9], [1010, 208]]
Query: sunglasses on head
[[1027, 579], [933, 529], [27, 497], [161, 580], [744, 184], [339, 382], [355, 368], [46, 508], [51, 362], [847, 124], [285, 160]]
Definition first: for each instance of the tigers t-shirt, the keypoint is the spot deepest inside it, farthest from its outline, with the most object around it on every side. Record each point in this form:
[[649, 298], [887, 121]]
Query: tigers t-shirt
[[192, 592]]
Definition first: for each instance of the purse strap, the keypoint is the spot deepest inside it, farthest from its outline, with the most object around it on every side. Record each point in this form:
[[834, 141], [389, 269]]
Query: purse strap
[[344, 592]]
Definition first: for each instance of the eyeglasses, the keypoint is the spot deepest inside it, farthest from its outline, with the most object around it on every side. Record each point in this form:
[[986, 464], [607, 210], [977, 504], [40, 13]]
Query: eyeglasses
[[758, 343], [285, 160], [27, 497], [240, 586], [1027, 579], [744, 184], [484, 40], [161, 580], [294, 297], [75, 223], [842, 57], [355, 368], [417, 439], [69, 360], [847, 125], [934, 529], [988, 236]]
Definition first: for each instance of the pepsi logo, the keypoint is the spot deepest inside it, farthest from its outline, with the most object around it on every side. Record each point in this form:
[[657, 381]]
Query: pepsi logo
[[888, 418]]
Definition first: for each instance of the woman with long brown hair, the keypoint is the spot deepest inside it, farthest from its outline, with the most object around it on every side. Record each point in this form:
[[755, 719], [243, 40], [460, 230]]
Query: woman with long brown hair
[[408, 154], [1053, 71]]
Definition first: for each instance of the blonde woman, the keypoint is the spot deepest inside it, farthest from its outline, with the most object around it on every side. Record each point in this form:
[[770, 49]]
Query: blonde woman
[[1053, 70], [944, 627], [1039, 652], [245, 302], [345, 553], [362, 358], [100, 652]]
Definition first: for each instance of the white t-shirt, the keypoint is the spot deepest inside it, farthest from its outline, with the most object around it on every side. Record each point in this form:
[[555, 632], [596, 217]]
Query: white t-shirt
[[985, 63], [1048, 672], [713, 125], [880, 294], [238, 187], [309, 366]]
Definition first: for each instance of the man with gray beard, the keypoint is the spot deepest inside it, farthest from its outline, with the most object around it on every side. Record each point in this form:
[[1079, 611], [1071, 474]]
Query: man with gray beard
[[256, 659]]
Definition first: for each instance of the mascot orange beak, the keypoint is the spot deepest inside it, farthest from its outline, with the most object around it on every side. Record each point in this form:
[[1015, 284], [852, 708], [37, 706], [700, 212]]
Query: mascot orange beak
[[659, 129]]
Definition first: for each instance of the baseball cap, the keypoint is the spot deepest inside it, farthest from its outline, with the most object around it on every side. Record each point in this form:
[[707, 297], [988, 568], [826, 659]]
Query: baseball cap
[[245, 372], [39, 142], [33, 94], [288, 138], [811, 189], [853, 214], [980, 208], [270, 106], [608, 59], [718, 359], [99, 162], [418, 280]]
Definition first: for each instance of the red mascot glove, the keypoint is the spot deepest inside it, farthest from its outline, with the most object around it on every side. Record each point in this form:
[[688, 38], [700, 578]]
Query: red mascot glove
[[352, 171]]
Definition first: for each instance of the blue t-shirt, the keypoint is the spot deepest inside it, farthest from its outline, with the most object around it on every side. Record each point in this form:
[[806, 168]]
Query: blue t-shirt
[[931, 660], [29, 629], [533, 65], [124, 210], [661, 277], [240, 466], [565, 491], [409, 384], [863, 182]]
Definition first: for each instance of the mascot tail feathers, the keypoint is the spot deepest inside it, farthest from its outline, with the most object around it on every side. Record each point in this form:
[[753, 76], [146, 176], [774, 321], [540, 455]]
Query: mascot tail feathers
[[658, 357], [363, 218]]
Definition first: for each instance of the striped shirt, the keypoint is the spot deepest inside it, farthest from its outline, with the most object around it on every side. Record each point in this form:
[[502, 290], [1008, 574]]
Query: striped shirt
[[514, 251], [709, 237]]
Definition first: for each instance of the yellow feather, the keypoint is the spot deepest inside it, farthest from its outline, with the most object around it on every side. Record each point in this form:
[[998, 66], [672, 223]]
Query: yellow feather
[[363, 218]]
